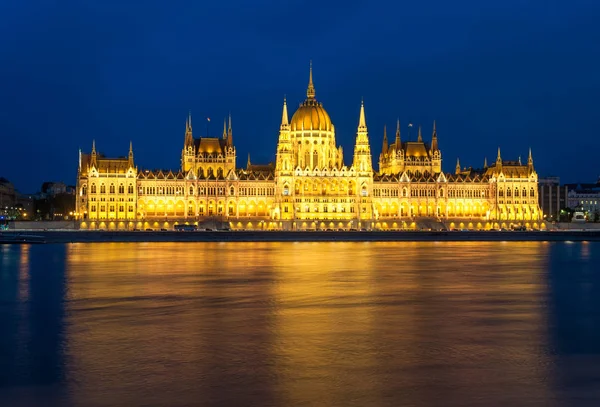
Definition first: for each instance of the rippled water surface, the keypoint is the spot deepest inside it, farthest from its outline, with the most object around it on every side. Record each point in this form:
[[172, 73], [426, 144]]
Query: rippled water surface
[[300, 324]]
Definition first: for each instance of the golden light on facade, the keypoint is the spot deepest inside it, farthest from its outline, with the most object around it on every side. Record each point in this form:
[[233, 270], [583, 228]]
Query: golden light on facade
[[309, 181]]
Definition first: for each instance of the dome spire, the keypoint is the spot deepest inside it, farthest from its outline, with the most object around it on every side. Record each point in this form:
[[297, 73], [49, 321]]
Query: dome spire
[[310, 91]]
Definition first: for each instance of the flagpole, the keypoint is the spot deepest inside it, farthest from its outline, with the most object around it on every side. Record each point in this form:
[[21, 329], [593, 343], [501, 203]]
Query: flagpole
[[207, 123]]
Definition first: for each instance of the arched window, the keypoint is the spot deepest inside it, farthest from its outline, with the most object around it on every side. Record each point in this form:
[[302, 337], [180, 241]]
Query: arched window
[[84, 190], [508, 193], [286, 190], [307, 159], [315, 159], [93, 188], [200, 173], [102, 188], [516, 192], [364, 191], [220, 173], [121, 188], [404, 192], [191, 190], [441, 193], [112, 188], [532, 193], [231, 191]]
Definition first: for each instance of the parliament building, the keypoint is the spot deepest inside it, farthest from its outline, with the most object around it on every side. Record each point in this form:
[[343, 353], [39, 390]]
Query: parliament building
[[309, 186]]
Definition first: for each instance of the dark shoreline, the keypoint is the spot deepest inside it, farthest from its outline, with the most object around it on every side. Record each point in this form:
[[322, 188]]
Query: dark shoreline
[[281, 236]]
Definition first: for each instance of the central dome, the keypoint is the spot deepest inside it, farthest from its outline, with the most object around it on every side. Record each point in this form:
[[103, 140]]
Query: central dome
[[311, 115]]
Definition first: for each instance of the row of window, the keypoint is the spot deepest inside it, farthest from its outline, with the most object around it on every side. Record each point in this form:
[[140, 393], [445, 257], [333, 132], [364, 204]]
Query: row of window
[[111, 189], [111, 208], [509, 192]]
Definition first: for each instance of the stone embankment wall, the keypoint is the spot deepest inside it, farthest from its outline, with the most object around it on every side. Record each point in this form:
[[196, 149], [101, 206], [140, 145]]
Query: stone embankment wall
[[44, 225]]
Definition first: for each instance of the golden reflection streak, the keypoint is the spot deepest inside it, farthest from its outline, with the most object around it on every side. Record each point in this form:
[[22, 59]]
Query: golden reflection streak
[[318, 314]]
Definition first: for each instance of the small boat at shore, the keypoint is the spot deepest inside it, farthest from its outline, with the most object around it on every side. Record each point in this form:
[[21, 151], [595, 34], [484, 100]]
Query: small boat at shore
[[20, 238]]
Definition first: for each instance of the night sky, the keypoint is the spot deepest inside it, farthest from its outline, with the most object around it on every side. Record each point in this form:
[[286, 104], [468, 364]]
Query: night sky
[[512, 73]]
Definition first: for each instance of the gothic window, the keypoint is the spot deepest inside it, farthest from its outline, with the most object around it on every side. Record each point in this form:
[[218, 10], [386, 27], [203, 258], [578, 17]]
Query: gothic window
[[532, 193], [501, 192], [404, 192], [102, 189], [441, 193], [286, 190], [220, 173], [130, 189], [307, 159], [209, 172], [93, 188], [200, 173], [364, 192], [516, 192], [231, 191], [84, 190], [121, 188], [112, 188], [315, 159]]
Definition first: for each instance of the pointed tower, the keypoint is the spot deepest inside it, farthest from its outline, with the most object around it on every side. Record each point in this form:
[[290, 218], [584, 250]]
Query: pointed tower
[[362, 162], [384, 159], [457, 169], [434, 139], [530, 162], [485, 164], [434, 151], [94, 160], [420, 136], [130, 157], [285, 155], [248, 164], [398, 141], [189, 138], [224, 129], [188, 155], [499, 161], [229, 133]]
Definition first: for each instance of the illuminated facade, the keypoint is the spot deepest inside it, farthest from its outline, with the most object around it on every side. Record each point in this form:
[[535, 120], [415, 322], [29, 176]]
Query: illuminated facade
[[309, 187]]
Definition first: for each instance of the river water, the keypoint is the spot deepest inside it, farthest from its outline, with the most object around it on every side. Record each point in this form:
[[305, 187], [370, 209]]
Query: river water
[[300, 324]]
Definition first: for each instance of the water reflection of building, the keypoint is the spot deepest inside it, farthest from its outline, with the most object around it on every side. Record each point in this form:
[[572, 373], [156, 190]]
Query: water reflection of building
[[309, 186]]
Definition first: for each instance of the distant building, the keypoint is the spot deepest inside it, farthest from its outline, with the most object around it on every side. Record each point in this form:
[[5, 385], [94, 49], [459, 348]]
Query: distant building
[[7, 194], [585, 197], [552, 196]]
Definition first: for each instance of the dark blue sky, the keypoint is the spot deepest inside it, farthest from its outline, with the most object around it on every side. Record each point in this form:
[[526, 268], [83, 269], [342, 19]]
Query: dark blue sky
[[512, 73]]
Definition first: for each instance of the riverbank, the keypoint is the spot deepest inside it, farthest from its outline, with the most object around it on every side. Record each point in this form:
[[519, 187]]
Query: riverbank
[[281, 236]]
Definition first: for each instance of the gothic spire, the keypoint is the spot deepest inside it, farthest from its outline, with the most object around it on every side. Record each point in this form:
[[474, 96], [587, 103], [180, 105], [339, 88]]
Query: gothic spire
[[485, 164], [384, 148], [434, 139], [130, 160], [225, 128], [362, 122], [457, 166], [398, 142], [310, 91], [284, 114], [420, 137]]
